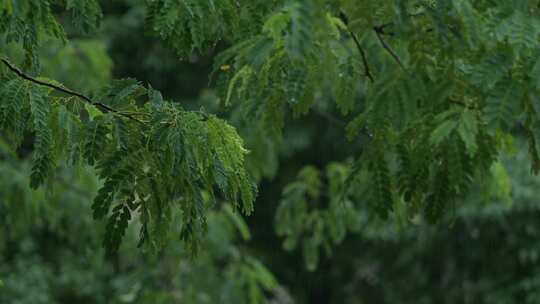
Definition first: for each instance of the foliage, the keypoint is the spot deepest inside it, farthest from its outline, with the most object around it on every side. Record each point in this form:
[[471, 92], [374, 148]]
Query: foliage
[[62, 266], [299, 219], [152, 166], [359, 116], [446, 115]]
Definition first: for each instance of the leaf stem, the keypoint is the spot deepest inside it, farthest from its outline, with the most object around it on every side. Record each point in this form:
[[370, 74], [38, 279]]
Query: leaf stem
[[102, 107], [345, 20], [363, 55], [379, 31]]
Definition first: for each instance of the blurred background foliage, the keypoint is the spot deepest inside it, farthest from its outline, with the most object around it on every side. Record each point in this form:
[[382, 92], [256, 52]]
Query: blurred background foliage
[[305, 242]]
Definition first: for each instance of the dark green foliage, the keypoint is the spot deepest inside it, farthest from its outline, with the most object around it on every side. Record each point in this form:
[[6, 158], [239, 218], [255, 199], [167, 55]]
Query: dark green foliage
[[298, 38], [31, 22], [14, 113], [433, 96], [95, 139], [116, 227], [120, 175], [42, 162], [382, 185], [135, 148], [85, 14], [434, 90], [74, 269], [195, 26], [316, 214]]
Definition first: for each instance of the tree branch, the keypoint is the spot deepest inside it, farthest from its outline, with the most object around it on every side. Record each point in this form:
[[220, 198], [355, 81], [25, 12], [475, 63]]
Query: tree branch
[[345, 20], [363, 55], [102, 107], [379, 31]]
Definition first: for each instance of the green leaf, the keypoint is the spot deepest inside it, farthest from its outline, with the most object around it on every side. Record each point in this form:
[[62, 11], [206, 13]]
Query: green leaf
[[299, 37], [42, 159], [116, 228], [442, 131], [535, 74], [238, 222], [468, 130], [92, 111]]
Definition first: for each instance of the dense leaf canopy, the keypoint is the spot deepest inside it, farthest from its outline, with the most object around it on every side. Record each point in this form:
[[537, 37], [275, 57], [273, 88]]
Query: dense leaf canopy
[[420, 101]]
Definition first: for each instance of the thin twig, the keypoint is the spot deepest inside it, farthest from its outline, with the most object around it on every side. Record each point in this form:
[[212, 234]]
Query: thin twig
[[379, 31], [134, 113], [102, 107], [345, 21], [363, 54], [382, 29]]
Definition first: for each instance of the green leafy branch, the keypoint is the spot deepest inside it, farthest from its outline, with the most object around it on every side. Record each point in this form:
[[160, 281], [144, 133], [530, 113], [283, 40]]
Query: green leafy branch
[[344, 18], [170, 167], [101, 106]]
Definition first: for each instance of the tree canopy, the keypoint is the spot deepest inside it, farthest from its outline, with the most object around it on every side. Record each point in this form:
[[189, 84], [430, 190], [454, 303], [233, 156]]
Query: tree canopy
[[383, 119]]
